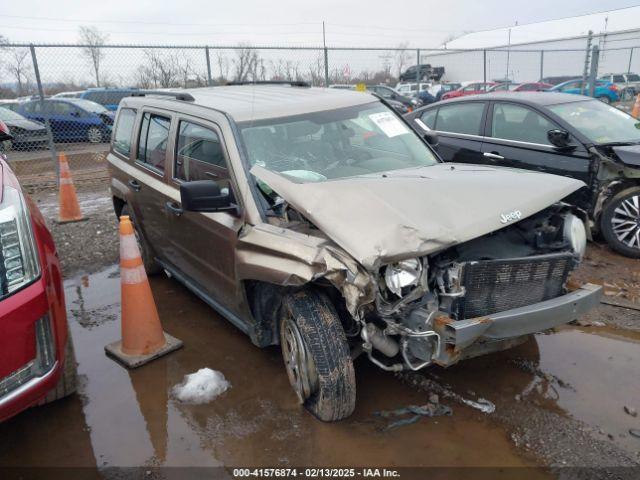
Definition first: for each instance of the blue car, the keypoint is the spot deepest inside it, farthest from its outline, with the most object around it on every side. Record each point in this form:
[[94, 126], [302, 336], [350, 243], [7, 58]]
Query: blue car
[[109, 98], [605, 91], [71, 119]]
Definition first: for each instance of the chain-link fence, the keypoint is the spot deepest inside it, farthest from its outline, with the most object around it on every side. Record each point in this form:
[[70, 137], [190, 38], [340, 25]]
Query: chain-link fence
[[62, 98]]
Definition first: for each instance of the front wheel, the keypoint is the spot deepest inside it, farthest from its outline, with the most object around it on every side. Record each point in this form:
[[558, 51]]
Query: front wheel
[[620, 222], [94, 135], [316, 355], [604, 99]]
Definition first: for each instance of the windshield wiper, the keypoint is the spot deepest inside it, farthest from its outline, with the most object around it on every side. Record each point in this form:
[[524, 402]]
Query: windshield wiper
[[619, 144]]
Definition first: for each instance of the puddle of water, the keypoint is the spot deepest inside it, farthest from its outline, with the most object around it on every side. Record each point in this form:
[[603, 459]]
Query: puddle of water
[[128, 417], [90, 202]]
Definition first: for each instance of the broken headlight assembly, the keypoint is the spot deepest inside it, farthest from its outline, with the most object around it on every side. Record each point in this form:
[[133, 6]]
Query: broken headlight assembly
[[19, 264], [575, 233], [400, 275]]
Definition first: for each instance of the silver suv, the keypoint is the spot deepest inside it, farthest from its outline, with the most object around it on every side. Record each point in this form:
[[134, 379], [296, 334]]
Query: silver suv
[[318, 219]]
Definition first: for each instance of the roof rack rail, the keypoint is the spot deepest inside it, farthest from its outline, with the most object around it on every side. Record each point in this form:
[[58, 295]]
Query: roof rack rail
[[185, 97], [293, 83]]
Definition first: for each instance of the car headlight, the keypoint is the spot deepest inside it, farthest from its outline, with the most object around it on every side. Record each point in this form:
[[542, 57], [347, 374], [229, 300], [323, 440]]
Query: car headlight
[[575, 233], [402, 274], [18, 255]]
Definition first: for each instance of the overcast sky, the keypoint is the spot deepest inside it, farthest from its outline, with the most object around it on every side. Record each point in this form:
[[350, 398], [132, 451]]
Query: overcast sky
[[278, 22]]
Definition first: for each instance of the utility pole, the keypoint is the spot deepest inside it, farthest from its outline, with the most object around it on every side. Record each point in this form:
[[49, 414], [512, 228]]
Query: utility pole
[[508, 53], [326, 57], [587, 60]]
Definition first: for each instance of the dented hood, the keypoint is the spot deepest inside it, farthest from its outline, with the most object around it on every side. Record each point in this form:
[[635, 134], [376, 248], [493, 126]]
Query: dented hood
[[385, 217]]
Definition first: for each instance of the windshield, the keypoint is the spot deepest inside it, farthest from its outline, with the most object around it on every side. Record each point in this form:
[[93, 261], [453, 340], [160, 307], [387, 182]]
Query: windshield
[[599, 122], [331, 144], [89, 106], [8, 115]]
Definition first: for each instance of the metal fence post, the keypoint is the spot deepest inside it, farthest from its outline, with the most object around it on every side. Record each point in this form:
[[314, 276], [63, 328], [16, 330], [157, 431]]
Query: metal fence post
[[630, 59], [593, 73], [326, 67], [484, 69], [52, 147], [541, 64], [585, 71], [418, 72], [209, 81]]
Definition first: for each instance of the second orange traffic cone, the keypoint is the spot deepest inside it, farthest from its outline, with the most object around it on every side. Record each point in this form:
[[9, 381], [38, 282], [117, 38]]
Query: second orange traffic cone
[[635, 113], [142, 336], [69, 210]]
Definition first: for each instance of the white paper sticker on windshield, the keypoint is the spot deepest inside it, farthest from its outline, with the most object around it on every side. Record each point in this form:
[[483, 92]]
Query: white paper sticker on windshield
[[389, 124]]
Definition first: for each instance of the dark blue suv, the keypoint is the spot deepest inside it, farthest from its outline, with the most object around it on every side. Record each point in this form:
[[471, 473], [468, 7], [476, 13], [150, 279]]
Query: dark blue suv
[[71, 119]]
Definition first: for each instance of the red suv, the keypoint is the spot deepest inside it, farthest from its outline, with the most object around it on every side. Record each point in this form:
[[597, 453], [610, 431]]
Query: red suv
[[470, 89], [37, 364]]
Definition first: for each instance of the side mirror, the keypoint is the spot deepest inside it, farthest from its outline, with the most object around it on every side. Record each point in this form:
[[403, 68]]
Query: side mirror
[[431, 137], [205, 196], [559, 138], [75, 113]]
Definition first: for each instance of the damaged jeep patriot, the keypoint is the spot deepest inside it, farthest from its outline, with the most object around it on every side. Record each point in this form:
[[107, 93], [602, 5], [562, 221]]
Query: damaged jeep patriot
[[319, 220]]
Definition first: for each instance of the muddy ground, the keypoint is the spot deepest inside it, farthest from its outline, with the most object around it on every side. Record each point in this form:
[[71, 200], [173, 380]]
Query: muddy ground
[[559, 398]]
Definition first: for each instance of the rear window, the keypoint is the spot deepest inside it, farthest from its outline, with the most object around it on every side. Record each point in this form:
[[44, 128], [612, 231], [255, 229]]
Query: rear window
[[461, 118], [633, 77], [123, 133], [154, 136]]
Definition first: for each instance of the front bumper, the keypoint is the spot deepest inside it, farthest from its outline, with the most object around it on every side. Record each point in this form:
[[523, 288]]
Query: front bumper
[[457, 336]]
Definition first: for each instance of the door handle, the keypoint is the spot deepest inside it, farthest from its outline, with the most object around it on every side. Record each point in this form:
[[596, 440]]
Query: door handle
[[493, 156], [173, 207], [135, 185]]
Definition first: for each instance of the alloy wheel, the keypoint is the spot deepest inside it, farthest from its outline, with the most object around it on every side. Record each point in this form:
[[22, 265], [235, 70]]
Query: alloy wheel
[[626, 222], [94, 135], [298, 363]]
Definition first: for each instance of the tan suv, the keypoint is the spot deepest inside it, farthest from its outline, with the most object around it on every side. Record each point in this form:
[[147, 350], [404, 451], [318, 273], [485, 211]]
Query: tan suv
[[318, 219]]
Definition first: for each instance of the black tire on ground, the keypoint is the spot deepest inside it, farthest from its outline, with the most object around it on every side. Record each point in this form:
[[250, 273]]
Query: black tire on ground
[[334, 396], [150, 265], [615, 210], [604, 99], [68, 382]]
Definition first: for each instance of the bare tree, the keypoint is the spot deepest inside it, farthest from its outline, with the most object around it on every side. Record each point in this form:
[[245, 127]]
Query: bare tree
[[223, 67], [245, 64], [401, 57], [18, 66], [93, 40]]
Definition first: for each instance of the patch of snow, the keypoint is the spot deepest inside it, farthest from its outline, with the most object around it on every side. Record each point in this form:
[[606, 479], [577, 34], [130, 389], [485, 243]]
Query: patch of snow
[[201, 387]]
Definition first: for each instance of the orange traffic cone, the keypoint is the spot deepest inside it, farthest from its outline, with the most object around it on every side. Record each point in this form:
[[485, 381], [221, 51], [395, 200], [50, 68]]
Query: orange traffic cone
[[635, 113], [142, 337], [69, 209]]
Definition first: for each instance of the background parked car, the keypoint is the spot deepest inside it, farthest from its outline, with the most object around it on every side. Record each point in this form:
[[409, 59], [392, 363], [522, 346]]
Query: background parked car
[[520, 87], [389, 93], [411, 89], [472, 88], [10, 104], [440, 89], [628, 83], [26, 133], [604, 91], [558, 79], [37, 363], [75, 94], [71, 119], [109, 98], [568, 135], [427, 72]]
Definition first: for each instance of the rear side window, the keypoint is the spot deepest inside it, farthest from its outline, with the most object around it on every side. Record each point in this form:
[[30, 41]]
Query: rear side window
[[429, 118], [199, 154], [618, 78], [461, 118], [154, 136], [123, 132]]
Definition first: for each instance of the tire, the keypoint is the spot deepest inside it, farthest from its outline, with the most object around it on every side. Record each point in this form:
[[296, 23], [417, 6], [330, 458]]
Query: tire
[[68, 382], [150, 265], [617, 222], [331, 393], [628, 94], [94, 135], [604, 99]]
